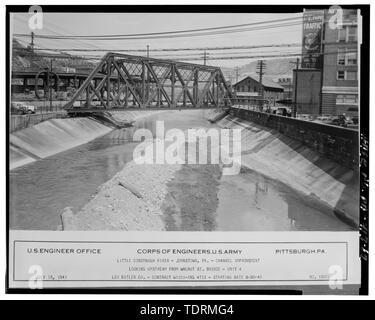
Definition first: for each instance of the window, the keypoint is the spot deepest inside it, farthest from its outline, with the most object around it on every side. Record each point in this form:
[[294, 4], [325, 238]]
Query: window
[[340, 98], [340, 57], [351, 58], [340, 75], [346, 75], [31, 81], [351, 99], [353, 109], [347, 34], [346, 99], [342, 34], [351, 33], [351, 75]]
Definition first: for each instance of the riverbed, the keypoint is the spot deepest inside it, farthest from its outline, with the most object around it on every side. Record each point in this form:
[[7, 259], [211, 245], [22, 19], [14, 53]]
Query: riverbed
[[199, 197]]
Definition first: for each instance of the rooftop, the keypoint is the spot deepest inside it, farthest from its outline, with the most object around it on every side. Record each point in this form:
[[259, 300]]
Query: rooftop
[[265, 82]]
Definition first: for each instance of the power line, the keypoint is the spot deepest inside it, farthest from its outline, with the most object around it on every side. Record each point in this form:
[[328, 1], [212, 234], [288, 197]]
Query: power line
[[244, 47], [45, 26], [51, 37], [286, 45], [286, 71], [196, 54], [174, 32], [196, 58]]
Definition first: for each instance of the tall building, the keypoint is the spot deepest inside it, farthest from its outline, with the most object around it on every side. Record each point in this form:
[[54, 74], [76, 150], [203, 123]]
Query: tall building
[[340, 66], [329, 64]]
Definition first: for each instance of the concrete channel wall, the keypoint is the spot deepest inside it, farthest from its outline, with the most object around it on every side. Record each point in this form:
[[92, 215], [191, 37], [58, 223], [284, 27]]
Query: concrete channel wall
[[50, 137], [336, 143], [18, 122], [292, 162]]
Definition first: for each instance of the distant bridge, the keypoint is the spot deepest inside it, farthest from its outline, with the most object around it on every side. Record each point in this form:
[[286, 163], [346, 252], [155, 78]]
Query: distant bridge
[[122, 81]]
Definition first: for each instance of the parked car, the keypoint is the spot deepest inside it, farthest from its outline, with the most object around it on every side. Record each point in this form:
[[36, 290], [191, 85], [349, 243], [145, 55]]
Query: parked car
[[306, 117], [349, 120], [324, 118], [282, 112], [339, 121], [352, 112], [21, 108]]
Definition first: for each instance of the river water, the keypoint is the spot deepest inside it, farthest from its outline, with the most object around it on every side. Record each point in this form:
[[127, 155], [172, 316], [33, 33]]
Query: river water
[[246, 202]]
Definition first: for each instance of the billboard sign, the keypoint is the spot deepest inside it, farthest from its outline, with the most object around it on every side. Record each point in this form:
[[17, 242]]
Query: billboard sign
[[312, 39]]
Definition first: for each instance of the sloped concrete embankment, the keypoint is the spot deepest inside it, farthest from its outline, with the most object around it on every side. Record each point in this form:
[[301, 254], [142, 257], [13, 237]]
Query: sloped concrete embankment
[[50, 137], [274, 155], [56, 135], [214, 115], [134, 115]]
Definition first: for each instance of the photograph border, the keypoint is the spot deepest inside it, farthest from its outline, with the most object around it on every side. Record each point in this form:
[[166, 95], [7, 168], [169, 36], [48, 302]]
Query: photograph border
[[363, 136]]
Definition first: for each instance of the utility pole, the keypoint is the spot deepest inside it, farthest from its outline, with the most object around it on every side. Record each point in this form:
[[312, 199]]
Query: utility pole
[[204, 58], [147, 76], [32, 42], [50, 87], [237, 72], [261, 66], [294, 113]]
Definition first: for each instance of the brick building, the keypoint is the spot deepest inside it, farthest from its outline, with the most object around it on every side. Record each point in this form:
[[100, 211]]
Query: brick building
[[340, 66], [271, 90], [337, 69]]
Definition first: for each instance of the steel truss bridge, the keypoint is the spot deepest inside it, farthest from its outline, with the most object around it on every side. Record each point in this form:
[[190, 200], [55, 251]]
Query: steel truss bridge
[[122, 81]]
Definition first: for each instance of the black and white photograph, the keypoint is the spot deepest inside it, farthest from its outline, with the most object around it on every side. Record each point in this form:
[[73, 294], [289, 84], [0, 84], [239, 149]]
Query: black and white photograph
[[170, 123]]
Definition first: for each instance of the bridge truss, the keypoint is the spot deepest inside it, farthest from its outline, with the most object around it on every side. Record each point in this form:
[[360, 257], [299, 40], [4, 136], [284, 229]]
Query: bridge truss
[[126, 81]]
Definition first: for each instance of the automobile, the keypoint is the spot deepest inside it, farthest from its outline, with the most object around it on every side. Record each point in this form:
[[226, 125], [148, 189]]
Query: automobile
[[21, 108], [349, 120], [282, 112], [305, 117], [352, 112], [324, 118], [339, 121]]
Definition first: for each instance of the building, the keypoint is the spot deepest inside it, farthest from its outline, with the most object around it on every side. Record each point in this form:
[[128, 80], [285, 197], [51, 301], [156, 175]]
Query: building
[[251, 87], [329, 54], [287, 84], [340, 66], [308, 91]]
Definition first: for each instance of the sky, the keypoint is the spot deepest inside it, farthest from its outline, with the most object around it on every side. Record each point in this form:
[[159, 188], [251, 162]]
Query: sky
[[129, 23]]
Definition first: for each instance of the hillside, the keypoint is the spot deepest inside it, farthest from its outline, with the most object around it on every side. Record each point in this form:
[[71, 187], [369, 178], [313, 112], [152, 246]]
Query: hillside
[[275, 69], [24, 59]]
